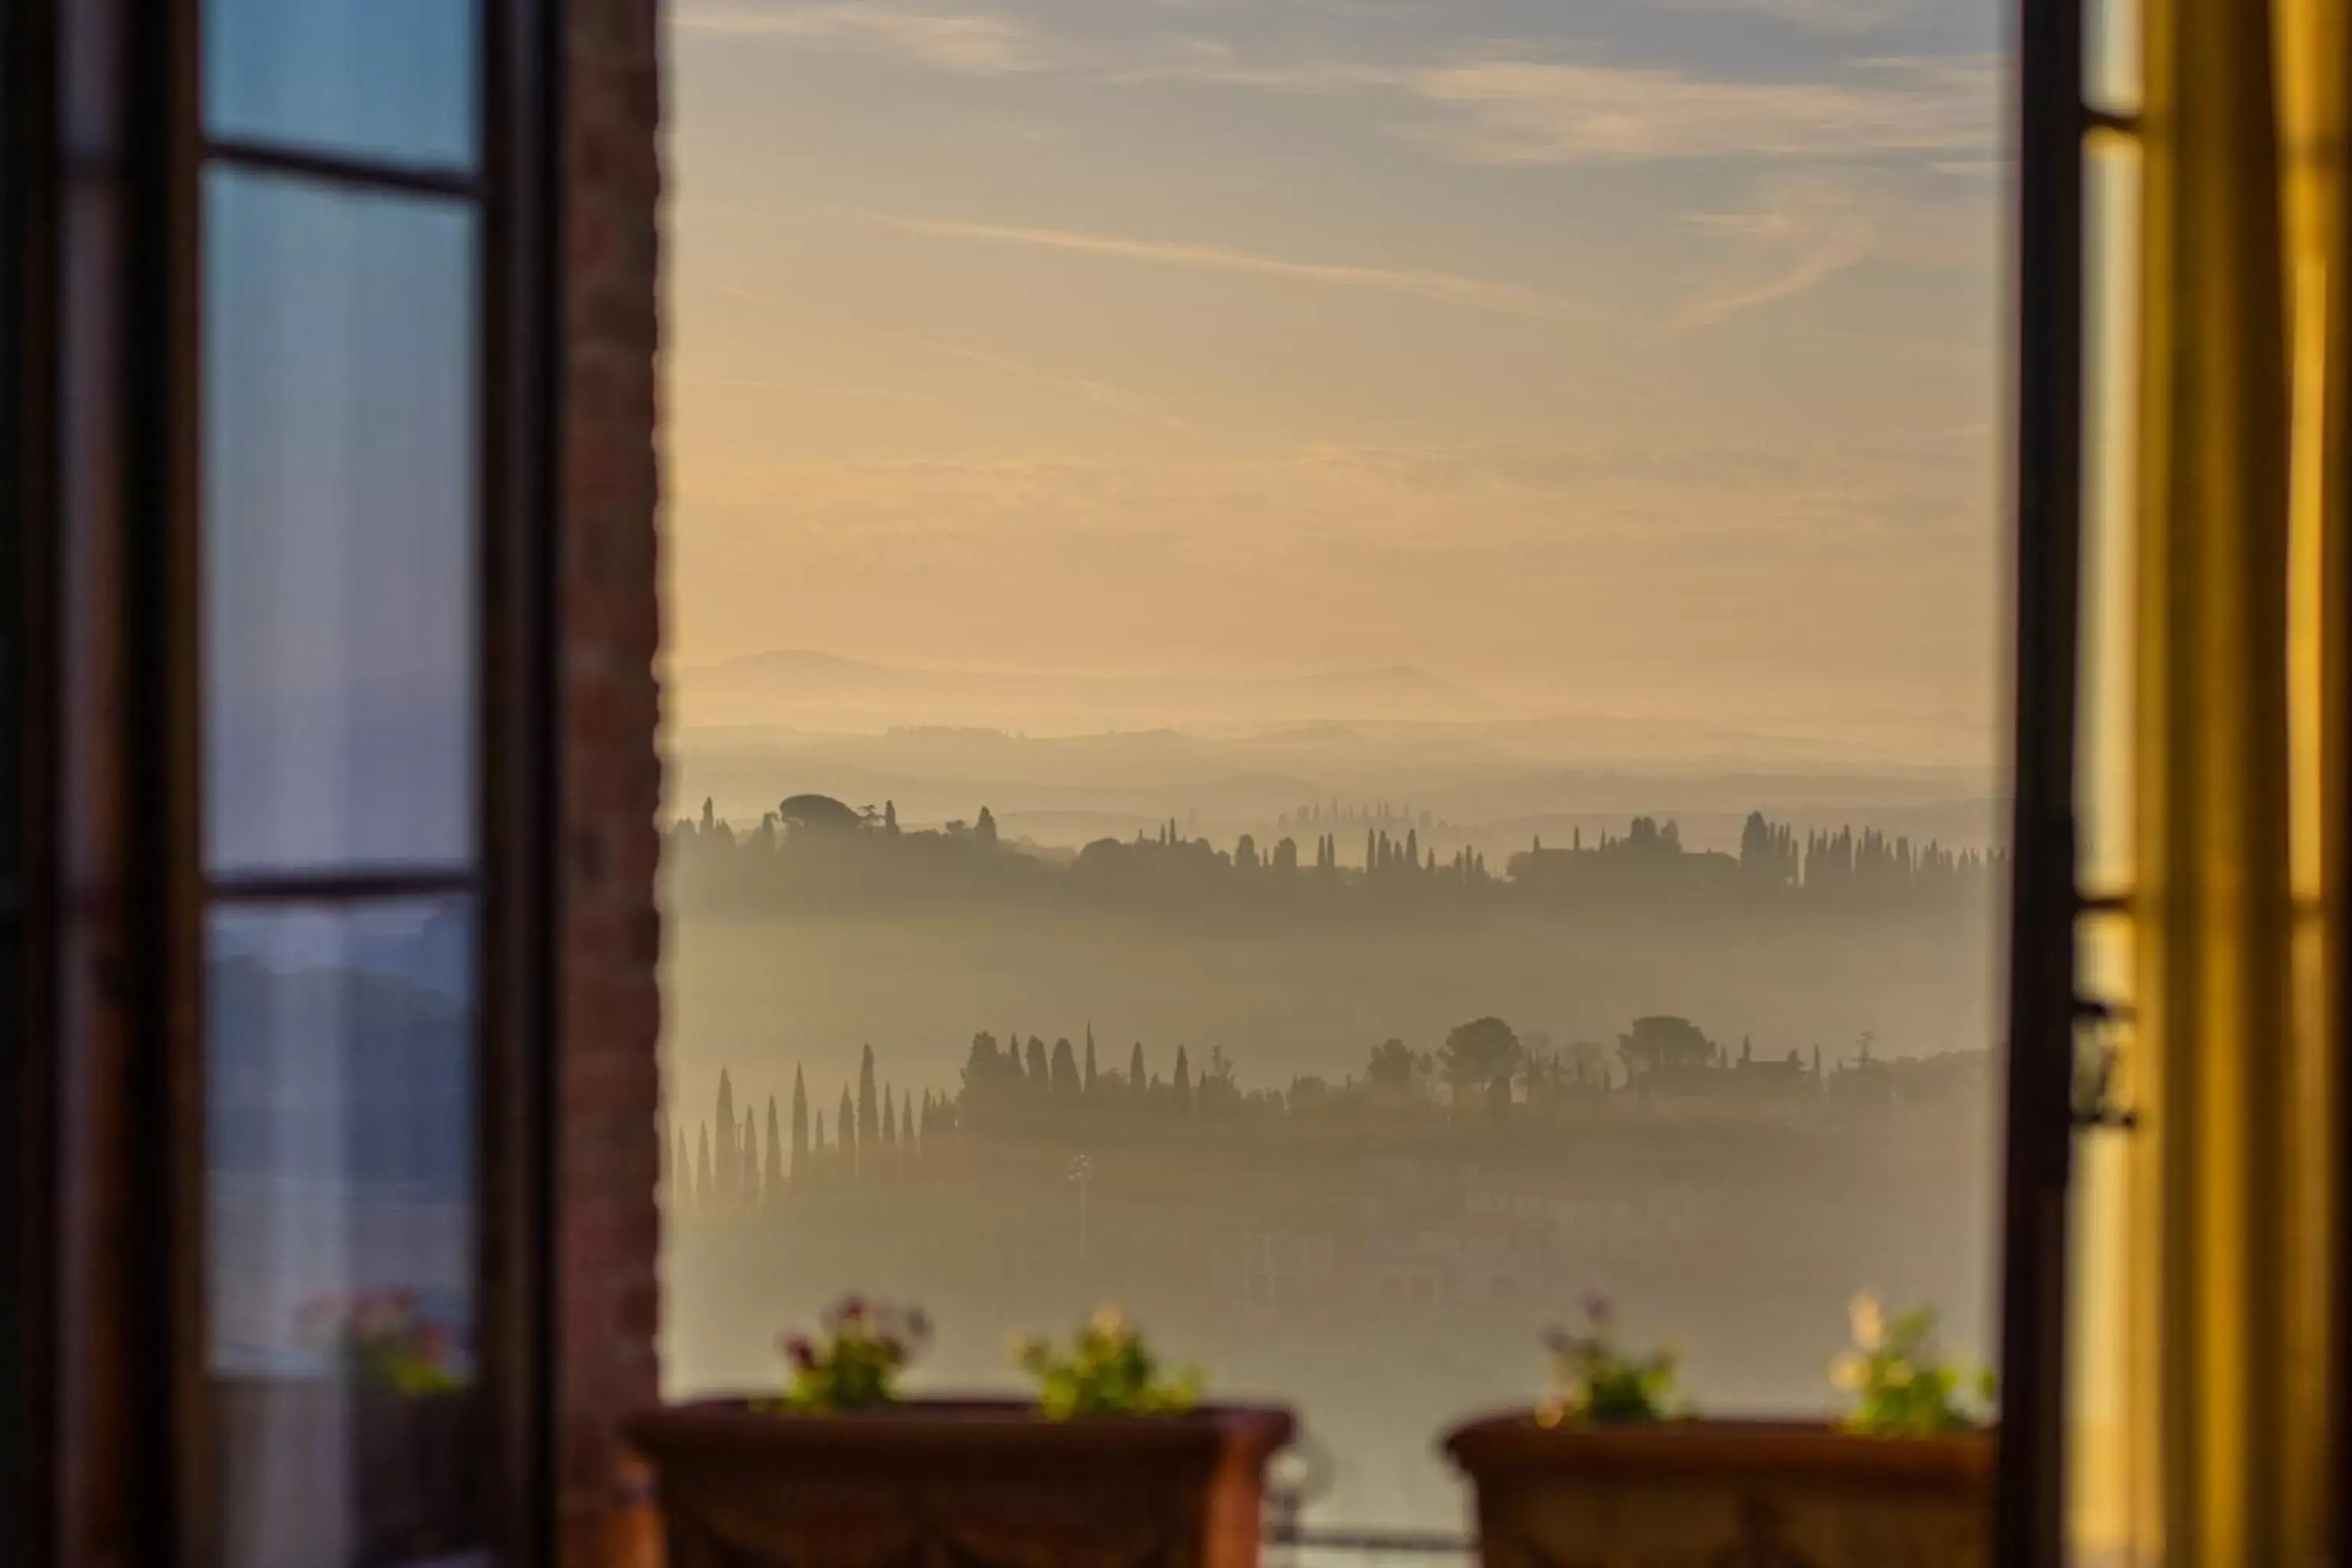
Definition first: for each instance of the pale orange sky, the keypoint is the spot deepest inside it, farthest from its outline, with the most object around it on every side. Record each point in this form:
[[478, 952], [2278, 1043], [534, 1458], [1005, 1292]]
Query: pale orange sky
[[1632, 355]]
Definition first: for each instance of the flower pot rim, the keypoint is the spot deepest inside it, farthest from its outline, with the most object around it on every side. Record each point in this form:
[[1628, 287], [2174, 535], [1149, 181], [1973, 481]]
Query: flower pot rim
[[973, 1409], [960, 1424], [1514, 1441]]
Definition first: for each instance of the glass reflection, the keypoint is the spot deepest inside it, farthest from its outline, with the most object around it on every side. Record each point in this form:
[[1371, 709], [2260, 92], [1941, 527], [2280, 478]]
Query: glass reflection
[[362, 78], [340, 457], [341, 1245]]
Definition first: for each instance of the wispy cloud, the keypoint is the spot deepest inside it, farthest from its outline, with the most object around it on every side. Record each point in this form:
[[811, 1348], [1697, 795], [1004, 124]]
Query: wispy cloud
[[970, 43], [1102, 392], [1440, 287], [1821, 15], [824, 391], [1803, 226], [1522, 112], [1800, 229]]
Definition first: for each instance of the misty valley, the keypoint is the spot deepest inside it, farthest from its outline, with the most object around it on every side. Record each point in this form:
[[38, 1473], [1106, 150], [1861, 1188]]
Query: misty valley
[[1348, 1108]]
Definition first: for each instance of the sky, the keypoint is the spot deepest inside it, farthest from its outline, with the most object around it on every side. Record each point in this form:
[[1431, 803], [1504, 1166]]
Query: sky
[[1626, 356]]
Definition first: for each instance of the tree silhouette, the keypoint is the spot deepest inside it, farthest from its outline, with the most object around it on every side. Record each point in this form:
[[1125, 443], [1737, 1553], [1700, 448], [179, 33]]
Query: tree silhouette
[[985, 828], [1664, 1044], [705, 1180], [1184, 1076], [799, 1172], [1477, 1053], [870, 1107], [726, 1153], [772, 1169], [845, 1122], [889, 1119], [1040, 1074], [1092, 1080], [1135, 1069], [1065, 1081], [1394, 1070]]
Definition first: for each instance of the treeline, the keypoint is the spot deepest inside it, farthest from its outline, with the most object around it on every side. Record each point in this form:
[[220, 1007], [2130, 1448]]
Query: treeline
[[1013, 1092], [816, 852]]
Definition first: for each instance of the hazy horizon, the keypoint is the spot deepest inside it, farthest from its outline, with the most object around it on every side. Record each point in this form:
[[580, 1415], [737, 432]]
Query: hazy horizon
[[1633, 359]]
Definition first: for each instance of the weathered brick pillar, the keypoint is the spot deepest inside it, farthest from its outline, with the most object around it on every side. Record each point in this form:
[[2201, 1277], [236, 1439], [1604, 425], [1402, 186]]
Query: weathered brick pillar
[[608, 1225]]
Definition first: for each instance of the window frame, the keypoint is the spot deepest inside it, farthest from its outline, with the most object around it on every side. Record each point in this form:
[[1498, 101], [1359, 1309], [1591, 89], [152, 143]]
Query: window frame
[[2046, 457], [27, 258], [107, 1443], [511, 883]]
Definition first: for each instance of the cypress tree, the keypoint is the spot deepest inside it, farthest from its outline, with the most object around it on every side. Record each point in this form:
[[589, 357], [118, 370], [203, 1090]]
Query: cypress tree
[[870, 1109], [772, 1179], [817, 1171], [725, 1192], [703, 1181], [1092, 1080], [1065, 1081], [799, 1173], [847, 1133], [1135, 1069], [1183, 1075], [1041, 1075], [889, 1119]]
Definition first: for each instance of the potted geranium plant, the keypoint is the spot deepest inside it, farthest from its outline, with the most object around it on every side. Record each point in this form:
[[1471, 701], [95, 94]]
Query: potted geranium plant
[[1609, 1470], [1116, 1461]]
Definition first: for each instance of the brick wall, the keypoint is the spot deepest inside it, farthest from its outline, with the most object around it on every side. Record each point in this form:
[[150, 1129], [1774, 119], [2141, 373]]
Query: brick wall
[[608, 1226]]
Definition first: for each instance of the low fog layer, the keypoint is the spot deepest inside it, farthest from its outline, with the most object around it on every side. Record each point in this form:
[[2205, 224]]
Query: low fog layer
[[1382, 1042]]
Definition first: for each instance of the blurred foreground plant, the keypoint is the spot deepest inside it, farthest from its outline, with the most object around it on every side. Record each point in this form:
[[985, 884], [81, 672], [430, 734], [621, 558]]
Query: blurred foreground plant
[[855, 1359], [1902, 1385], [382, 1340], [1109, 1370], [1598, 1384]]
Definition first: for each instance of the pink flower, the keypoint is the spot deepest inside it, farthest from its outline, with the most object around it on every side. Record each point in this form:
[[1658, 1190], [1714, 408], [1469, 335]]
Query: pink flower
[[799, 1351]]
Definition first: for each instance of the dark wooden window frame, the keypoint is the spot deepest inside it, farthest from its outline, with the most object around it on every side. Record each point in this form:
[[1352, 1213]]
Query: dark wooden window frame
[[2046, 456], [106, 1446]]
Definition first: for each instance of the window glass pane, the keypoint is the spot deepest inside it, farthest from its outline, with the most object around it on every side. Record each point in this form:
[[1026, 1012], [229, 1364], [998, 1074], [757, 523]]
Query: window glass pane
[[341, 1134], [1416, 593], [385, 79], [339, 559]]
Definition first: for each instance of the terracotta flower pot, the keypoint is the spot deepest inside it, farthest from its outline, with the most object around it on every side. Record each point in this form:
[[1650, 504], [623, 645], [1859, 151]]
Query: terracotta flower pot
[[1725, 1494], [960, 1482]]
